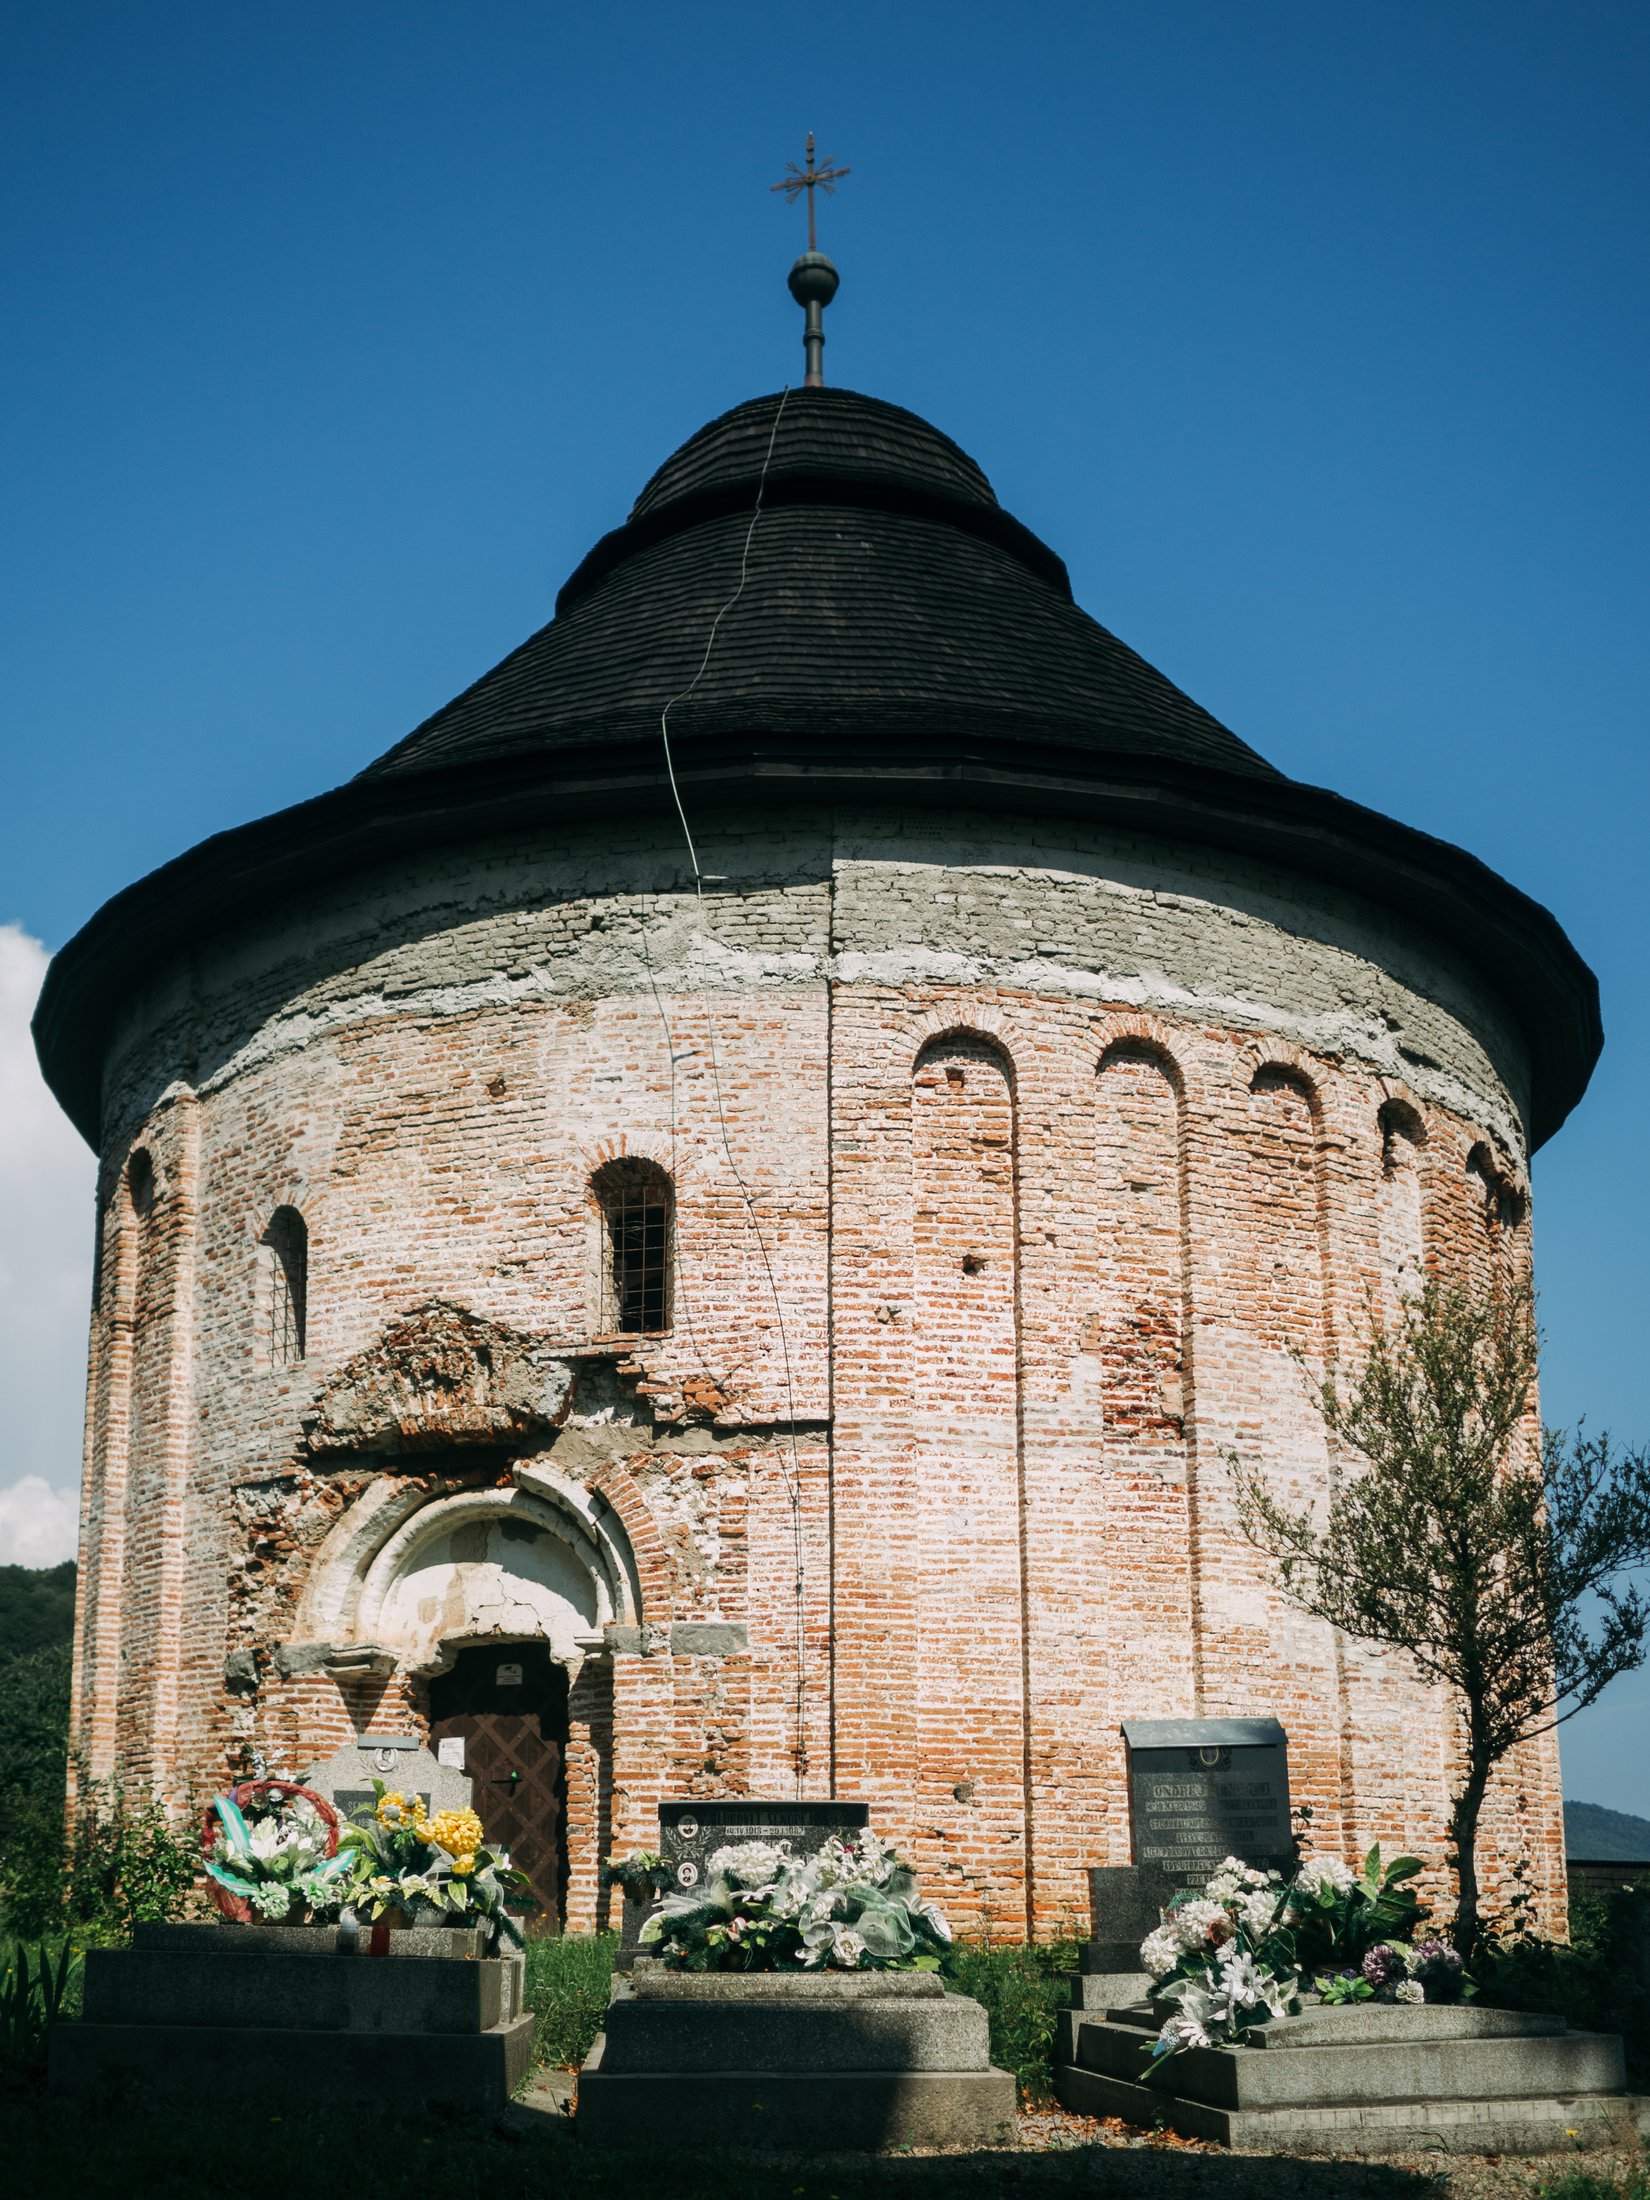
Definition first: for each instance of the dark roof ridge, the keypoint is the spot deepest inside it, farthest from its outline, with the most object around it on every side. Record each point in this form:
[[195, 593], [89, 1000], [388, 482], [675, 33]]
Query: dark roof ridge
[[851, 492], [791, 430]]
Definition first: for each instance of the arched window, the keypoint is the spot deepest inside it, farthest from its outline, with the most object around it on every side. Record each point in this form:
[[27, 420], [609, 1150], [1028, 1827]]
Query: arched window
[[137, 1262], [286, 1272], [140, 1182], [638, 1229]]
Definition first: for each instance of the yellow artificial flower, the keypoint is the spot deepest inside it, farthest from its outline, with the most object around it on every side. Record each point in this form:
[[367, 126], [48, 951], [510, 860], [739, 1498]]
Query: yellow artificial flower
[[456, 1831], [463, 1865]]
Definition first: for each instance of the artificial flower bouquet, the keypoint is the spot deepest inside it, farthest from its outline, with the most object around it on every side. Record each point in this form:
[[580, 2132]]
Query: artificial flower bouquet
[[642, 1876], [1426, 1970], [433, 1870], [1247, 1948], [851, 1907], [270, 1848]]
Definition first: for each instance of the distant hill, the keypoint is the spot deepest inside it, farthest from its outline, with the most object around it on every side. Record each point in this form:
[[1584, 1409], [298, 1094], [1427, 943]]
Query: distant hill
[[1603, 1836], [36, 1607]]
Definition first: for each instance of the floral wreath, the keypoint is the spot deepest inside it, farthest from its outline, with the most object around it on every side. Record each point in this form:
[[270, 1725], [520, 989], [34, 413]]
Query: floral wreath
[[225, 1821]]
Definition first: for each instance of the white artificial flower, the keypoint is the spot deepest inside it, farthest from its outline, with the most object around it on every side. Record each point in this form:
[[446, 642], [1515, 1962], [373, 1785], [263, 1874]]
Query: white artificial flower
[[1193, 2017], [937, 1919], [264, 1839], [1195, 1922], [1233, 1879], [1240, 1978], [1160, 1951], [1257, 1911], [749, 1863], [1410, 1991], [1319, 1872], [847, 1949]]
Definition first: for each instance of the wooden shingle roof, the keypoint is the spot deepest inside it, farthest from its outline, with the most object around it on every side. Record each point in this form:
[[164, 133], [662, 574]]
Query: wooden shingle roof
[[887, 599], [899, 640]]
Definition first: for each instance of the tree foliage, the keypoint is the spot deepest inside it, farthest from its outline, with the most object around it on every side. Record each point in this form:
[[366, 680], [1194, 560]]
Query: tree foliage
[[34, 1724], [36, 1607], [1491, 1554]]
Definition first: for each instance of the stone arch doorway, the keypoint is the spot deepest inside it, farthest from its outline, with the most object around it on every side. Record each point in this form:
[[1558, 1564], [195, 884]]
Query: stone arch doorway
[[504, 1706]]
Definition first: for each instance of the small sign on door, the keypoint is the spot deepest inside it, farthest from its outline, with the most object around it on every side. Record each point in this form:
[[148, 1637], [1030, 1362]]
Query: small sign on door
[[508, 1676], [449, 1750]]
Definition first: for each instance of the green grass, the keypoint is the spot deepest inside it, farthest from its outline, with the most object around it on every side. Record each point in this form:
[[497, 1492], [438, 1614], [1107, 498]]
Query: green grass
[[567, 1987], [1583, 2184]]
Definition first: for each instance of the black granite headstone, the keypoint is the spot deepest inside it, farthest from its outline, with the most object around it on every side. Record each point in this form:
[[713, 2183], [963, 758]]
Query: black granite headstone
[[691, 1833], [1127, 1900], [1201, 1790]]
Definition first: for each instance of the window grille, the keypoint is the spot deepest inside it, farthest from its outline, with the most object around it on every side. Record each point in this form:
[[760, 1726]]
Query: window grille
[[637, 1226], [286, 1243]]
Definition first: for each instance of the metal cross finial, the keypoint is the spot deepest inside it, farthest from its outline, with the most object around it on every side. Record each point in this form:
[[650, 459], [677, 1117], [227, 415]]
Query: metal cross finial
[[826, 177]]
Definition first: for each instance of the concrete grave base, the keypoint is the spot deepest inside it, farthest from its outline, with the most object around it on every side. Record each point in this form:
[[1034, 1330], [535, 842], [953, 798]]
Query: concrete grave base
[[1362, 2080], [208, 2010], [850, 2061], [477, 2070]]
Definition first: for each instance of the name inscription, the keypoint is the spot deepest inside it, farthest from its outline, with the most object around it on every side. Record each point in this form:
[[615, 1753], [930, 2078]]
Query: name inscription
[[1201, 1790]]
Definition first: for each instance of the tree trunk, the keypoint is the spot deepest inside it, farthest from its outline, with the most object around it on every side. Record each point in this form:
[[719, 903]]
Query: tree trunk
[[1464, 1833]]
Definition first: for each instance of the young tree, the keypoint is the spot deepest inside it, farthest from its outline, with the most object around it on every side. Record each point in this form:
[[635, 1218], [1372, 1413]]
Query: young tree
[[1494, 1561]]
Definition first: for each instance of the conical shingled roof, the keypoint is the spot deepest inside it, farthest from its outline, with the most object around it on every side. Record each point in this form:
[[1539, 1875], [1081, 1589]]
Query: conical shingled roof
[[887, 599], [899, 640]]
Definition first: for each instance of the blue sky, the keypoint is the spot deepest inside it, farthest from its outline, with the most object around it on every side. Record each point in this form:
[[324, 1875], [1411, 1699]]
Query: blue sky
[[1312, 337]]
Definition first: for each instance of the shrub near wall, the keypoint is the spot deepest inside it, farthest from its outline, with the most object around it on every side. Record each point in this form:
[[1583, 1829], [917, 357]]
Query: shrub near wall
[[122, 1863], [1023, 1986]]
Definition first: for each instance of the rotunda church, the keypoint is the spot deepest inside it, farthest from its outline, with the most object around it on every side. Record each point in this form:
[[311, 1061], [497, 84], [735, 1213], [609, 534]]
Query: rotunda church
[[713, 1219]]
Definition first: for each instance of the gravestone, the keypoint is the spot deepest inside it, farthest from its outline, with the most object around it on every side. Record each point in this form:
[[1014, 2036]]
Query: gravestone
[[401, 1761], [1201, 1790], [691, 1833]]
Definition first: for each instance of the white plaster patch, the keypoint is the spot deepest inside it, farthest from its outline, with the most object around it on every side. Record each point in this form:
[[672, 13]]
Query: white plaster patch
[[482, 1578]]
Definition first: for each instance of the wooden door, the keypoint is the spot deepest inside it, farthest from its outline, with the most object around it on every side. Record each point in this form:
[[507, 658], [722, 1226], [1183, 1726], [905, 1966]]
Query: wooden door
[[507, 1703]]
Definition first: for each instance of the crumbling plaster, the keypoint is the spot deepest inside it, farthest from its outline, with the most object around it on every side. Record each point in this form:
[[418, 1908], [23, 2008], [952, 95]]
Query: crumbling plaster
[[953, 899]]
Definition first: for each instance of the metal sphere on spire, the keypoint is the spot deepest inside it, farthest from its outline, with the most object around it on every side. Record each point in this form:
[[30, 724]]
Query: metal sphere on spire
[[814, 279]]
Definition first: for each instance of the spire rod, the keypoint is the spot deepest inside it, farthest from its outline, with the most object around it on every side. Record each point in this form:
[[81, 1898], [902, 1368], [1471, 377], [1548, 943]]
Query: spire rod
[[813, 280]]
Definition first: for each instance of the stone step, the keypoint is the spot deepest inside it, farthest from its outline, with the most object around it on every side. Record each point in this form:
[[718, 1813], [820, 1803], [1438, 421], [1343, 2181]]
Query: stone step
[[825, 2111], [301, 1993], [1531, 2124], [1419, 2070], [474, 2070], [450, 1943], [814, 1989], [948, 2033]]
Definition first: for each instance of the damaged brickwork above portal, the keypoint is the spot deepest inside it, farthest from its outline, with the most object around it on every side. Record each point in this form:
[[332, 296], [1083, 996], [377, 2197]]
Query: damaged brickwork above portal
[[439, 1377]]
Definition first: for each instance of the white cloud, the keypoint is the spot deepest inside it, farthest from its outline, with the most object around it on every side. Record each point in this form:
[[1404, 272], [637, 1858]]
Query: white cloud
[[38, 1525], [47, 1185]]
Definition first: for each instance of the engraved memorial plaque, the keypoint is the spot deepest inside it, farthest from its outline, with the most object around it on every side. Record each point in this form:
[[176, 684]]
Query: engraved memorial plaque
[[691, 1833], [401, 1762], [1201, 1790]]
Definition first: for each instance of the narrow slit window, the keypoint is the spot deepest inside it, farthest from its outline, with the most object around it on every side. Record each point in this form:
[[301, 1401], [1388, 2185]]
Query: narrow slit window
[[638, 1218], [286, 1252]]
